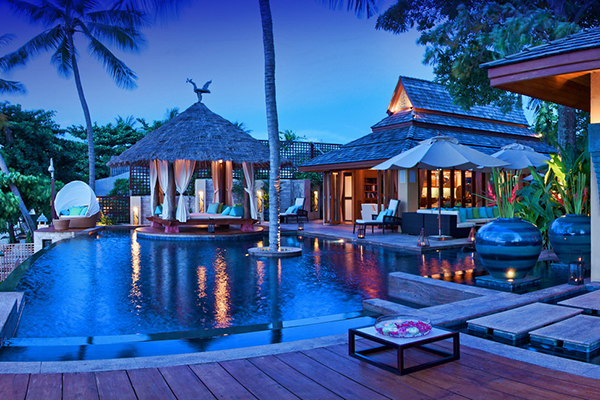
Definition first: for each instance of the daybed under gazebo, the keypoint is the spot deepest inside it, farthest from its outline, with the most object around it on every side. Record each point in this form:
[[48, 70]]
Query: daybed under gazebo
[[196, 138]]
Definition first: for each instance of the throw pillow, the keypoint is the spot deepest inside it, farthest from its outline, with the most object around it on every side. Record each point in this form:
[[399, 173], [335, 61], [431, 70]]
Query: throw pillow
[[380, 216], [84, 210], [220, 208], [389, 212], [237, 211], [482, 212], [158, 210], [75, 210], [290, 210], [496, 212], [462, 215], [476, 213], [489, 212], [213, 208], [469, 212], [227, 211], [64, 212]]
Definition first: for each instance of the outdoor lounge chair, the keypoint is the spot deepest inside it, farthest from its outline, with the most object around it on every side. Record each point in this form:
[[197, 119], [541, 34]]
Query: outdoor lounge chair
[[386, 218], [296, 211], [76, 203]]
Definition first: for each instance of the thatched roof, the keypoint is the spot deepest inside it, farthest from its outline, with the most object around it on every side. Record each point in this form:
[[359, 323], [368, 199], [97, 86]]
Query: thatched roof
[[196, 134]]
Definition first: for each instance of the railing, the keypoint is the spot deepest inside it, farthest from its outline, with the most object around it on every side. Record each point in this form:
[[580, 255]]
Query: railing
[[116, 208], [13, 255]]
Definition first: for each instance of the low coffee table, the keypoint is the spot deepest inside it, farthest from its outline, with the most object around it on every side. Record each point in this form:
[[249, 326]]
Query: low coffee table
[[400, 344]]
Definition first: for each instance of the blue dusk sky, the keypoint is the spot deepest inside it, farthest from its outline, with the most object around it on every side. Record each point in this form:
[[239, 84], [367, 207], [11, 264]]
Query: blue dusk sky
[[335, 73]]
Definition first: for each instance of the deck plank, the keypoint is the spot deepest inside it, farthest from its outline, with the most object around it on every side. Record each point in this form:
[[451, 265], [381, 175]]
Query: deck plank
[[184, 383], [80, 386], [13, 386], [149, 384], [114, 385], [424, 387], [299, 384], [45, 386], [513, 388], [366, 374], [256, 381], [328, 378], [221, 384]]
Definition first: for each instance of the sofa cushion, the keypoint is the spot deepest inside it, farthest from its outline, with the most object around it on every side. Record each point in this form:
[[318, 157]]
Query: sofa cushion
[[213, 208], [462, 215], [469, 212], [496, 212], [237, 211], [226, 210], [476, 213], [482, 212], [75, 210]]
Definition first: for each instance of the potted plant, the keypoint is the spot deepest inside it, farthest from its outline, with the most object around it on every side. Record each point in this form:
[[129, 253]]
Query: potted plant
[[570, 235], [508, 247]]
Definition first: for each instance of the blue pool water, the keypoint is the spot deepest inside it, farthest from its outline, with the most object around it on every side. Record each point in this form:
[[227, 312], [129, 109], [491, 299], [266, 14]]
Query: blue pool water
[[116, 283]]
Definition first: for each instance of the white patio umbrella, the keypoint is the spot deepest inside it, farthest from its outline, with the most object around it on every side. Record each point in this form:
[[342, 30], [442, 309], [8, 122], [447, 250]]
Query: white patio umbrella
[[439, 153], [521, 157]]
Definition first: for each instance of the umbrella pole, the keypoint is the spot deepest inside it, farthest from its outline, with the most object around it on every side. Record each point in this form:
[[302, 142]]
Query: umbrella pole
[[441, 187]]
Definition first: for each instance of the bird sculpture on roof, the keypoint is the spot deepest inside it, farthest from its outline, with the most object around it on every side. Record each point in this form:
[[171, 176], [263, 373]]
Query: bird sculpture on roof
[[199, 92]]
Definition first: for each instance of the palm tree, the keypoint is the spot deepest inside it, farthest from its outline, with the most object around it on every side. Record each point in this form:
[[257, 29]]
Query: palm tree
[[63, 20], [360, 7]]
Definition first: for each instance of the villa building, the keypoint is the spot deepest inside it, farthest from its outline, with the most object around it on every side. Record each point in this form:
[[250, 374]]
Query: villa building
[[419, 110]]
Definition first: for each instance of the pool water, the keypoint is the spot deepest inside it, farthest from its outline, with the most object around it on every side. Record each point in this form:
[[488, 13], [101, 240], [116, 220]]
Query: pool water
[[115, 283]]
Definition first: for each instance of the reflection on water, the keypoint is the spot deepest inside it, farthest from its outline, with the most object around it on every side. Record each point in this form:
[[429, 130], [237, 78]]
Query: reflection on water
[[119, 284]]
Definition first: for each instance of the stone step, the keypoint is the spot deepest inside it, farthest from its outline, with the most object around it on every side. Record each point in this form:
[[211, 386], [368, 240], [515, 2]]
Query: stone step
[[589, 302], [580, 333], [515, 324]]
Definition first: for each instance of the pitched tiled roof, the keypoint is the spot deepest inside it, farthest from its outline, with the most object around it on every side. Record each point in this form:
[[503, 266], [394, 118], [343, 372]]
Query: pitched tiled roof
[[433, 96], [583, 40], [454, 121], [388, 143]]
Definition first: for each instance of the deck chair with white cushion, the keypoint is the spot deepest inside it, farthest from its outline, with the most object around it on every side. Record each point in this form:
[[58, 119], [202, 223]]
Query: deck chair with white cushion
[[296, 211], [386, 218]]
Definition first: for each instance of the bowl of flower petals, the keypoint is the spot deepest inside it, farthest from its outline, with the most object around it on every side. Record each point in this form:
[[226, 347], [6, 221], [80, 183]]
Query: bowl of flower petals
[[402, 326]]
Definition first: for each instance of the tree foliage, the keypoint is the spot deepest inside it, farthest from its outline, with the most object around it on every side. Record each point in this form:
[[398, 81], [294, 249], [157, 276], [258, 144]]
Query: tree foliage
[[30, 138], [461, 35]]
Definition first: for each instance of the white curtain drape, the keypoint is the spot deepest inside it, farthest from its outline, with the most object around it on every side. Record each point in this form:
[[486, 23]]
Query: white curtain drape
[[229, 183], [163, 180], [249, 188], [153, 182], [214, 169], [184, 169]]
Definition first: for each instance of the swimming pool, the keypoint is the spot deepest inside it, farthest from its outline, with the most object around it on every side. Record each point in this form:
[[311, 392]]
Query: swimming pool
[[115, 283]]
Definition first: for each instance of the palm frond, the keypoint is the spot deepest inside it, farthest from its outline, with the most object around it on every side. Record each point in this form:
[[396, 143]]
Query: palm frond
[[359, 7], [11, 87], [123, 18], [6, 39], [62, 59], [47, 13], [124, 38], [45, 41], [122, 75]]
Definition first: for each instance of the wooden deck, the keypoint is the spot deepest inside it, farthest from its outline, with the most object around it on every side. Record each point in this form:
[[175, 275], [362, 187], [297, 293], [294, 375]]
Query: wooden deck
[[323, 373]]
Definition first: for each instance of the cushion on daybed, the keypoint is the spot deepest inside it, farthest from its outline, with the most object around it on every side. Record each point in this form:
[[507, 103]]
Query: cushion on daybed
[[213, 208], [237, 211], [226, 210]]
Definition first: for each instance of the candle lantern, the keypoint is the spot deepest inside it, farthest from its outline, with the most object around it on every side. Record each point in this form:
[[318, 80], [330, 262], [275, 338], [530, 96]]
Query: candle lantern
[[300, 225], [422, 240], [211, 225], [576, 272], [362, 230], [471, 237]]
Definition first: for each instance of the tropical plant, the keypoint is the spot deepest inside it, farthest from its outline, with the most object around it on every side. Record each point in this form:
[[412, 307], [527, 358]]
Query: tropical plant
[[536, 204], [120, 188], [62, 20], [570, 178], [502, 192]]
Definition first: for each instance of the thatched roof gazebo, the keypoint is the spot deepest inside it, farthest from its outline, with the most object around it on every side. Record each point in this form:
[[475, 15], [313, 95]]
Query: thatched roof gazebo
[[196, 138]]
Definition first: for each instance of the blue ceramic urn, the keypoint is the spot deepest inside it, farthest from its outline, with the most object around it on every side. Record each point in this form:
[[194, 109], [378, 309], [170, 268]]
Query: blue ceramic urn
[[570, 238], [508, 247]]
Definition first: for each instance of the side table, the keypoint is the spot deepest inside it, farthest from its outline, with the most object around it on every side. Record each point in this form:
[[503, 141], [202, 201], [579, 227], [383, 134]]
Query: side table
[[400, 344]]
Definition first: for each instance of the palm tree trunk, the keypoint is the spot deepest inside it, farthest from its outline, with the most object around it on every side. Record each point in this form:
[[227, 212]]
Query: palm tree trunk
[[13, 188], [86, 113], [272, 125], [566, 129]]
